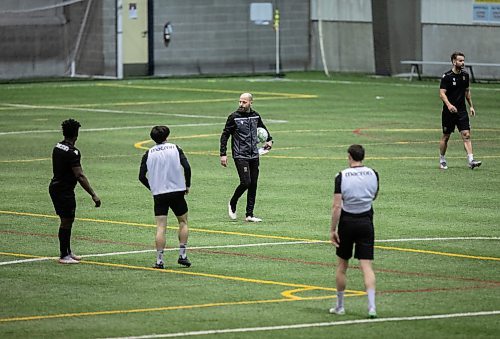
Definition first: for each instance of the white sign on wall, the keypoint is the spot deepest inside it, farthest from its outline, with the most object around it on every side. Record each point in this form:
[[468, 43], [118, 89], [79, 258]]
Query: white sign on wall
[[261, 13]]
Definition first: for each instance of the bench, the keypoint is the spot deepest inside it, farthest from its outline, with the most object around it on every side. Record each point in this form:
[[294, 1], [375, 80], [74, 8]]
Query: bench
[[415, 66]]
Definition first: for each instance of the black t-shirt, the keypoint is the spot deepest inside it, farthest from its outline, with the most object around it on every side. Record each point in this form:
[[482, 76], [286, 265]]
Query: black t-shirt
[[455, 86], [64, 157]]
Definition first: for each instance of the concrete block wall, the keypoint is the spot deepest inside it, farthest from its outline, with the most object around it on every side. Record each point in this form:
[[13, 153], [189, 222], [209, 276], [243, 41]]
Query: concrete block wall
[[479, 43], [347, 35], [348, 47], [450, 27], [217, 36]]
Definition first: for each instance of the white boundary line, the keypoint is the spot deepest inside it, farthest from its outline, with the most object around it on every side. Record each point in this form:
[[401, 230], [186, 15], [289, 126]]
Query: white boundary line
[[166, 249], [438, 239], [25, 260], [310, 325], [373, 83], [244, 245], [114, 111], [105, 129]]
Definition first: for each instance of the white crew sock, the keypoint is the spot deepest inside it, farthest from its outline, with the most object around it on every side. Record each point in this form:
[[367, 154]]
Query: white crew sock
[[182, 250], [371, 298], [159, 257], [340, 299]]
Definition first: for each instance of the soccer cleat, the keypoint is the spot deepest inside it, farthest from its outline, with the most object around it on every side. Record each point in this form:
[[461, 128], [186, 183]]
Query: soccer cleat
[[68, 260], [184, 261], [232, 215], [474, 163], [75, 257], [337, 310], [159, 266], [252, 219], [443, 165], [372, 314]]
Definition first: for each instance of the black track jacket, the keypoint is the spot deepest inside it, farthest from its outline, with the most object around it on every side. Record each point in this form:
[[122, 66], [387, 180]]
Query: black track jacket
[[242, 126]]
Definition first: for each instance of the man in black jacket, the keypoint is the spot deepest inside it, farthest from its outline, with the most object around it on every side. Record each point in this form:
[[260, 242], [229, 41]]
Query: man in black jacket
[[242, 126]]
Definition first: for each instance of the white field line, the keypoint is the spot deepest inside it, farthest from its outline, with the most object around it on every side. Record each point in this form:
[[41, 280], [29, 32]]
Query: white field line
[[374, 83], [26, 260], [166, 249], [195, 81], [311, 325], [438, 239], [246, 245], [114, 111], [106, 129]]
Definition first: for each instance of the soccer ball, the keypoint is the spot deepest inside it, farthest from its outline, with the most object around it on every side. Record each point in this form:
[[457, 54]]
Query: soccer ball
[[262, 134]]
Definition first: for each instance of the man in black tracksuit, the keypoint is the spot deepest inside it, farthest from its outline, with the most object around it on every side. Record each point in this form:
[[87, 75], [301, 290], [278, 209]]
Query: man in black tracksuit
[[242, 126]]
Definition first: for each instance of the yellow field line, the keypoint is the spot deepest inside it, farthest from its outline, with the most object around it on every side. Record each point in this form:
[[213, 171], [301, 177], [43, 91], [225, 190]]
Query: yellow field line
[[140, 310], [21, 255], [289, 295], [207, 90], [158, 309], [203, 230], [447, 254], [140, 103]]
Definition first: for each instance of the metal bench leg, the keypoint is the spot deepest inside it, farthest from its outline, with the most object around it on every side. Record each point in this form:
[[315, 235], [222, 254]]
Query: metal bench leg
[[473, 78], [412, 71]]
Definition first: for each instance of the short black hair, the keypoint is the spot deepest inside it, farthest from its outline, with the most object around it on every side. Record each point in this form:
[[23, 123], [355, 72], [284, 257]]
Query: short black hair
[[70, 128], [159, 134], [357, 152], [455, 54]]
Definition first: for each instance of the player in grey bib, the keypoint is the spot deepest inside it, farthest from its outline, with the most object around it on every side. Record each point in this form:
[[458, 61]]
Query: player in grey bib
[[352, 224]]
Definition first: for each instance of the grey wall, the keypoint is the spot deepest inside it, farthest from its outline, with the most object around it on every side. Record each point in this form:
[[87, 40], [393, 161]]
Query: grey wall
[[217, 36], [405, 35], [347, 35], [449, 27], [479, 44], [348, 47], [406, 30]]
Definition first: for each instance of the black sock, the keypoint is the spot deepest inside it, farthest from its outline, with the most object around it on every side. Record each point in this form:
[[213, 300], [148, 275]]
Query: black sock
[[64, 241]]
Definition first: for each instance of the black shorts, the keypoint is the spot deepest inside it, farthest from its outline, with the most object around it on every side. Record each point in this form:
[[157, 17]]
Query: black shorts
[[173, 200], [450, 120], [356, 231], [64, 202]]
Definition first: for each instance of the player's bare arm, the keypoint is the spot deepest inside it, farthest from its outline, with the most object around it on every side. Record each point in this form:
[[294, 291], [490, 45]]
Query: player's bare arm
[[336, 210], [84, 182], [444, 98], [468, 97]]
